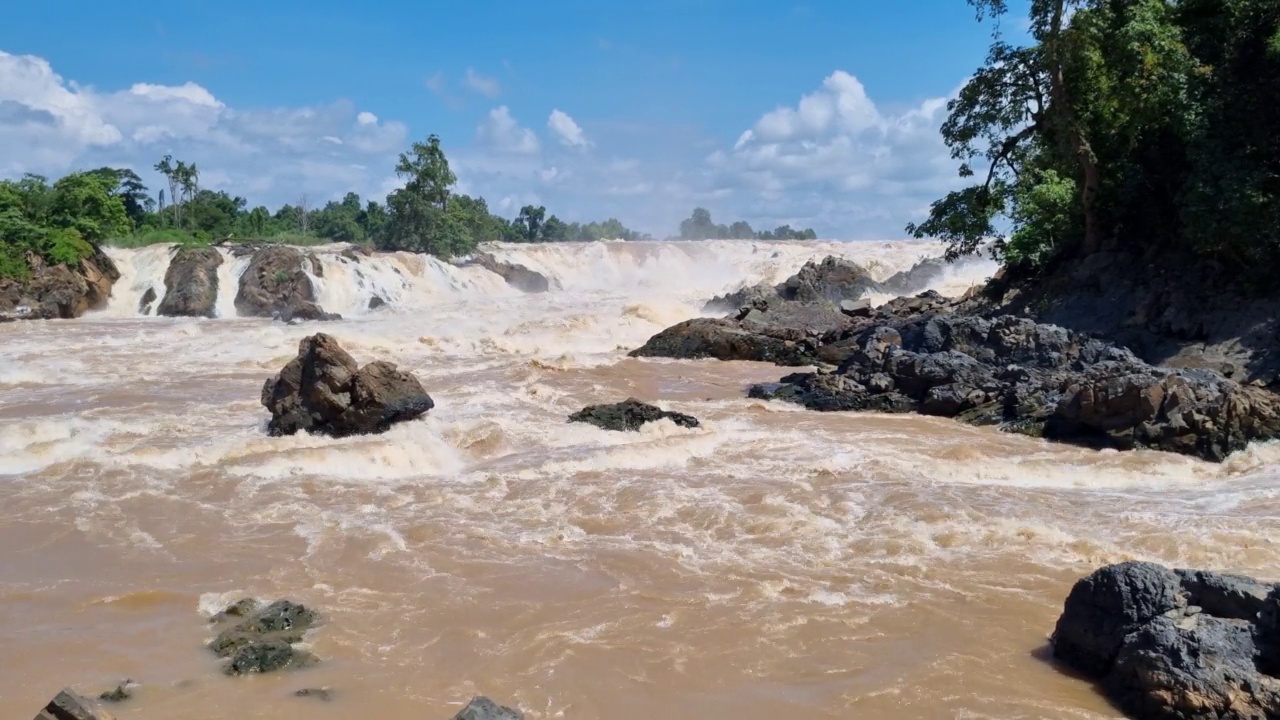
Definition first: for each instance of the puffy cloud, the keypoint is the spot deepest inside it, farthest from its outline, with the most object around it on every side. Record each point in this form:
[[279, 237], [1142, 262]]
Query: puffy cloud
[[482, 84], [502, 133], [50, 125], [568, 131]]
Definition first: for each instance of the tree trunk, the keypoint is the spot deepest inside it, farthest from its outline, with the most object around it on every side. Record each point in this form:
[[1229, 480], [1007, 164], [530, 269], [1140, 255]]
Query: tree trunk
[[1080, 147]]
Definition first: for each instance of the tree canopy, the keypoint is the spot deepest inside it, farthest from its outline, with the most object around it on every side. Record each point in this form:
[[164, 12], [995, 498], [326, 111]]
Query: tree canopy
[[699, 226], [1124, 123]]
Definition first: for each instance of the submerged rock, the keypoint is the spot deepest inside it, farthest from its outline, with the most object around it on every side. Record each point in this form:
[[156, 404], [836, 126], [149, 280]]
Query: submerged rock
[[191, 283], [324, 391], [629, 415], [263, 639], [321, 694], [482, 708], [146, 301], [515, 274], [68, 705], [120, 693], [1174, 644]]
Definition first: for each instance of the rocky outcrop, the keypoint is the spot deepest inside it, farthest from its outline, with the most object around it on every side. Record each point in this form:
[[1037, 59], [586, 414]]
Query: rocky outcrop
[[276, 285], [629, 415], [69, 705], [259, 639], [324, 391], [1175, 644], [1036, 379], [146, 301], [832, 280], [515, 274], [60, 291], [482, 708], [191, 283], [702, 338]]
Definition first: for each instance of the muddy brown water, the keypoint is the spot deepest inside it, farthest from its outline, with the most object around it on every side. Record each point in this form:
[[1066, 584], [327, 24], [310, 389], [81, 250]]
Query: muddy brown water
[[772, 563]]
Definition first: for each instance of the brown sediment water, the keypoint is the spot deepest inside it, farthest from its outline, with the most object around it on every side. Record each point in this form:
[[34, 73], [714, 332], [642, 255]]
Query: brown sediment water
[[772, 563]]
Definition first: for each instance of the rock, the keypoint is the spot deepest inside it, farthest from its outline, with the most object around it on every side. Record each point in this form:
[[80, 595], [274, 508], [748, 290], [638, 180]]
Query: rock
[[629, 415], [321, 694], [1185, 644], [915, 279], [276, 285], [856, 308], [60, 291], [516, 275], [148, 299], [120, 693], [323, 391], [1036, 379], [376, 302], [482, 708], [191, 283], [730, 340], [743, 297], [68, 705], [834, 279], [263, 639]]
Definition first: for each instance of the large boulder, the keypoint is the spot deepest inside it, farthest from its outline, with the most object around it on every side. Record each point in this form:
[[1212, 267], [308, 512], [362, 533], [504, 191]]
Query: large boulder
[[731, 340], [629, 415], [276, 285], [1036, 379], [1174, 644], [257, 639], [191, 283], [515, 274], [69, 705], [833, 279], [60, 291], [324, 391]]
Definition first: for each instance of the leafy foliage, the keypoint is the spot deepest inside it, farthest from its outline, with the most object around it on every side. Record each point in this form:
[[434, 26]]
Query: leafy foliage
[[1128, 123], [699, 226]]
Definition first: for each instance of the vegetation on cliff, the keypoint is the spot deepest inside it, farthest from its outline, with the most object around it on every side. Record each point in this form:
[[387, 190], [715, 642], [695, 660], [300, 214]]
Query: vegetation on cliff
[[1142, 124]]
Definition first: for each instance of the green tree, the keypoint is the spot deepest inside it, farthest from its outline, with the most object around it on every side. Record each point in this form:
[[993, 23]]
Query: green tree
[[85, 203]]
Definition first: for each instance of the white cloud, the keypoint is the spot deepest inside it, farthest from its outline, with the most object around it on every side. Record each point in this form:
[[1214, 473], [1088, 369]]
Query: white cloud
[[51, 126], [482, 84], [502, 133], [568, 131]]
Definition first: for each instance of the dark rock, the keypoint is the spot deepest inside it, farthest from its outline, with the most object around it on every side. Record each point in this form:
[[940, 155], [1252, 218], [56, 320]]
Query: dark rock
[[60, 291], [1184, 644], [629, 415], [915, 279], [482, 708], [191, 283], [356, 252], [321, 694], [68, 705], [856, 308], [728, 340], [148, 299], [832, 280], [276, 285], [323, 391], [741, 298], [239, 609], [263, 639], [122, 692], [376, 302], [516, 275]]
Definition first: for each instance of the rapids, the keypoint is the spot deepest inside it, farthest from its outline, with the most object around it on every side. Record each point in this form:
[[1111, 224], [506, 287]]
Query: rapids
[[772, 563]]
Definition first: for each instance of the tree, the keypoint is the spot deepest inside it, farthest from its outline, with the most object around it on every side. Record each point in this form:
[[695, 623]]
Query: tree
[[426, 171], [129, 188], [84, 202], [173, 174]]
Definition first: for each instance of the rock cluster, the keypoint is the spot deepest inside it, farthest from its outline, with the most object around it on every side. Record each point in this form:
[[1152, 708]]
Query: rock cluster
[[258, 639], [629, 414], [324, 391], [59, 291], [1175, 644]]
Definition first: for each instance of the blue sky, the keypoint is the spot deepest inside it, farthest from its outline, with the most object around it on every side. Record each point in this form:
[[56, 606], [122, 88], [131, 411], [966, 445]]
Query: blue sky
[[819, 114]]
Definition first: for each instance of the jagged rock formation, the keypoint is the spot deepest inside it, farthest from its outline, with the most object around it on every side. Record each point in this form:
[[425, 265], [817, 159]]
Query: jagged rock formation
[[324, 391], [59, 291], [259, 639], [629, 415]]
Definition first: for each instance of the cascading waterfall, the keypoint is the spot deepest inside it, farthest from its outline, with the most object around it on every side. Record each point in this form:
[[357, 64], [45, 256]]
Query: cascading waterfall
[[348, 283]]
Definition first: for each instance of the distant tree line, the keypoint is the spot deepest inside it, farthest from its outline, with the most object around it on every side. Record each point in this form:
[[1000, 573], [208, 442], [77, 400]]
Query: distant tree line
[[699, 226]]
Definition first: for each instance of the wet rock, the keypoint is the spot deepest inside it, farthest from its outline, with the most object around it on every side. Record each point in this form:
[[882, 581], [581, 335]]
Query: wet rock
[[515, 274], [834, 279], [148, 299], [321, 694], [629, 415], [1137, 628], [731, 340], [324, 391], [1036, 379], [741, 298], [856, 308], [262, 639], [918, 277], [191, 283], [276, 285], [120, 693], [376, 302], [482, 708], [68, 705], [60, 291], [302, 312]]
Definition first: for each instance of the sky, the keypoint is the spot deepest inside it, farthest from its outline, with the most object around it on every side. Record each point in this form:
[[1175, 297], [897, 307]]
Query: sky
[[821, 114]]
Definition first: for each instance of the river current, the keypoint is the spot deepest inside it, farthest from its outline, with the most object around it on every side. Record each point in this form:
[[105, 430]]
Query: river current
[[772, 563]]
